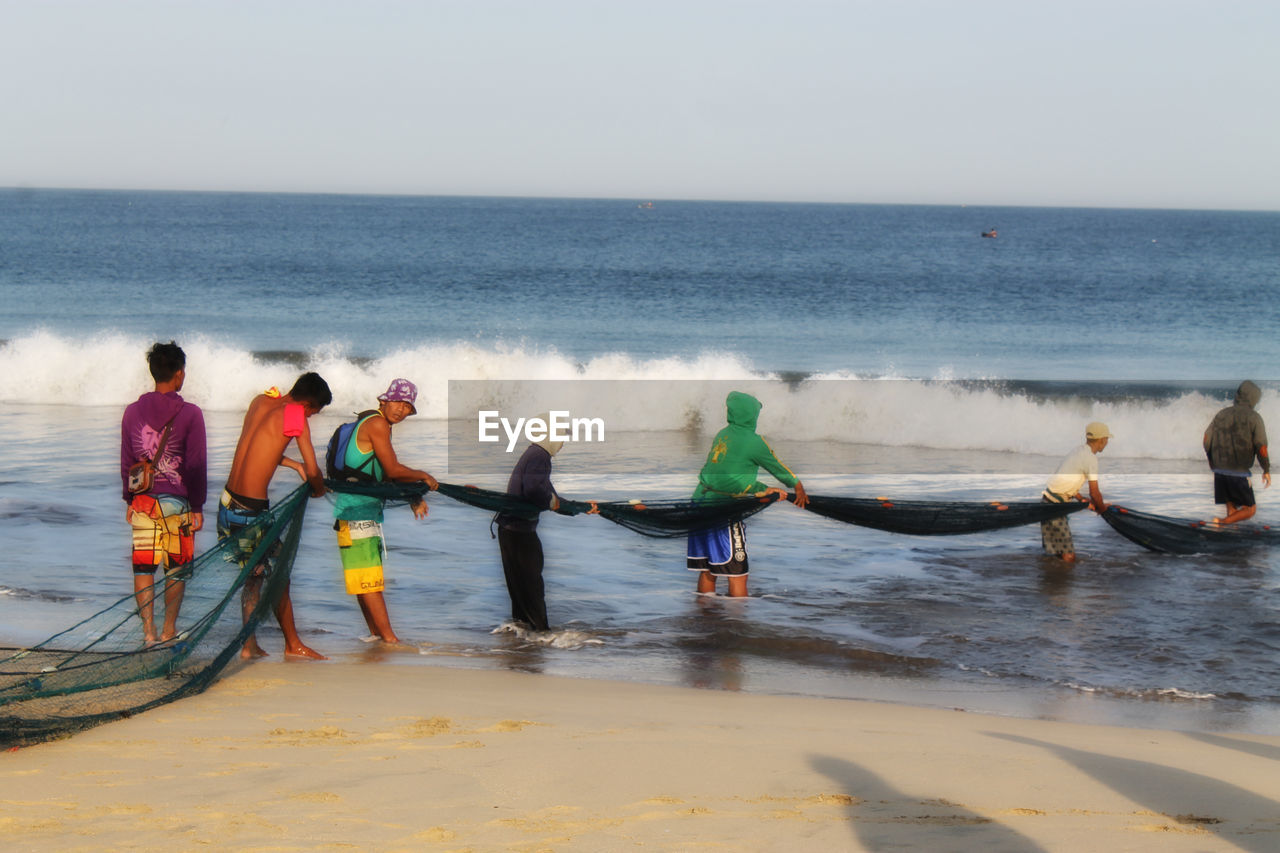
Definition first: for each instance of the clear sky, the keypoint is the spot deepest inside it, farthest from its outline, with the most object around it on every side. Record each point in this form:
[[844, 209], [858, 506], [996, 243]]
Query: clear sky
[[1166, 103]]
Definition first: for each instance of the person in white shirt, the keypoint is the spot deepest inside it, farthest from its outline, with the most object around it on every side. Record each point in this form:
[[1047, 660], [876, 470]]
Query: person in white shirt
[[1080, 467]]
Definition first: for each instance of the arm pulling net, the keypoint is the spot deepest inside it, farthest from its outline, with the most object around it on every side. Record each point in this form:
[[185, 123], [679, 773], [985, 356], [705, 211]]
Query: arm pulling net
[[101, 669], [659, 519], [1186, 536], [937, 518]]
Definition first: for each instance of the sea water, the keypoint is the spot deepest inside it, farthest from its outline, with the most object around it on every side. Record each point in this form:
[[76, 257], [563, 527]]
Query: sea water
[[896, 351]]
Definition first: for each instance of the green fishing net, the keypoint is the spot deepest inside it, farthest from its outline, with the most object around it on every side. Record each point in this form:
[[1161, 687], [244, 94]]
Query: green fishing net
[[100, 669], [937, 518], [1186, 536], [659, 518]]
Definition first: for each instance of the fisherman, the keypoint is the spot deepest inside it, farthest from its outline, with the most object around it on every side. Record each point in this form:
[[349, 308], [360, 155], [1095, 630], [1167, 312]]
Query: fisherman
[[1080, 466], [1234, 437], [518, 542], [272, 422], [162, 429], [359, 517], [733, 464]]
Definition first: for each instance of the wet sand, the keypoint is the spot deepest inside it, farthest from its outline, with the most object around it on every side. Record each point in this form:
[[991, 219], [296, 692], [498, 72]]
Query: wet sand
[[296, 756]]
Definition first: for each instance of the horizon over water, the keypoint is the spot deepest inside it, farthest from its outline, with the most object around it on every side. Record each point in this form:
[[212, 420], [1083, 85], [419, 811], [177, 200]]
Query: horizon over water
[[897, 353]]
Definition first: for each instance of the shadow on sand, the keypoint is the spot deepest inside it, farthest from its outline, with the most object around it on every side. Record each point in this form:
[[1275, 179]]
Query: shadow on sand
[[881, 811], [1185, 797]]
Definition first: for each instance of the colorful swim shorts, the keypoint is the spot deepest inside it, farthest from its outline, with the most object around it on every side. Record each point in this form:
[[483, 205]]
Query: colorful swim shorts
[[360, 547], [242, 520], [162, 533]]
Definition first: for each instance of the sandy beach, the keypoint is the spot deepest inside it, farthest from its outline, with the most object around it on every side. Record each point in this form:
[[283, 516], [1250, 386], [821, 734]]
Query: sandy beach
[[288, 756]]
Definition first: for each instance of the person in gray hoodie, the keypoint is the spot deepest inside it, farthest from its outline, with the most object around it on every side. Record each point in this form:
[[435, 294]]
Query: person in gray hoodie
[[1234, 437]]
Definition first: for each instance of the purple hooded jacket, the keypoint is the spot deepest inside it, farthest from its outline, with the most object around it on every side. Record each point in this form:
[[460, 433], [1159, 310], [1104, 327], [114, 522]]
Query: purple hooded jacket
[[182, 469], [530, 481]]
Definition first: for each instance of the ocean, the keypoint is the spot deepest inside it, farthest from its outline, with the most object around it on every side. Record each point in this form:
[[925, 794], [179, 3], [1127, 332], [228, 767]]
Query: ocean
[[897, 352]]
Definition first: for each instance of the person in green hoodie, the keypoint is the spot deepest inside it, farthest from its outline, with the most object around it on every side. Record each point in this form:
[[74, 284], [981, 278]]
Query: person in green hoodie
[[731, 470], [1236, 435]]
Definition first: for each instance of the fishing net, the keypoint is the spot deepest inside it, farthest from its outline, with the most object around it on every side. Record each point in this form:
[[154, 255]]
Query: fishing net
[[101, 669], [672, 518], [937, 518], [1186, 536], [669, 519], [405, 493], [660, 519]]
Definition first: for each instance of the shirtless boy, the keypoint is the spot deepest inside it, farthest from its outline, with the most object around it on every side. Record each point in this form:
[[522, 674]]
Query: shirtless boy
[[271, 423]]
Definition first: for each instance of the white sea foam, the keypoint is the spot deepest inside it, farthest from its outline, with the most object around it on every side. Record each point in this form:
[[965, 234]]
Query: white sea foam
[[631, 393], [1150, 693], [568, 639]]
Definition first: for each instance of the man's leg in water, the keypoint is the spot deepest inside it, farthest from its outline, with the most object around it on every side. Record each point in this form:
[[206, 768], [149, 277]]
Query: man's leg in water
[[374, 607], [293, 645], [248, 602], [1235, 514], [174, 589], [144, 591]]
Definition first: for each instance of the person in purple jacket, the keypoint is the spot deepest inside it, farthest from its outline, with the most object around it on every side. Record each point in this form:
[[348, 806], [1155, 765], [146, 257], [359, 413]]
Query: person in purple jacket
[[518, 540], [165, 517]]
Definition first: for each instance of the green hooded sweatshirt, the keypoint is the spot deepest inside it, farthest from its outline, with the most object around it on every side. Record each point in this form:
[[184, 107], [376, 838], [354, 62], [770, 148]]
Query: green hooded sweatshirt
[[737, 454]]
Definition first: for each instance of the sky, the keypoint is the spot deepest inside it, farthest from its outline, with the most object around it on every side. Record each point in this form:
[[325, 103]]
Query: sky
[[1165, 104]]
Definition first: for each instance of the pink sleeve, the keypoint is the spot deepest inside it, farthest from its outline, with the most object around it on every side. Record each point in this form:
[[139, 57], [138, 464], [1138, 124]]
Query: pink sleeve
[[294, 418]]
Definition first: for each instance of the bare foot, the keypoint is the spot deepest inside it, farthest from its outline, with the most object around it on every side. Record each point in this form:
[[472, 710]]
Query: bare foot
[[302, 651], [252, 650]]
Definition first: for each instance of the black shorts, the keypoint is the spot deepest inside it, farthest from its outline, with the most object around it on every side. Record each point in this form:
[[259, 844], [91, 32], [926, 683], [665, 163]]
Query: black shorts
[[1237, 491]]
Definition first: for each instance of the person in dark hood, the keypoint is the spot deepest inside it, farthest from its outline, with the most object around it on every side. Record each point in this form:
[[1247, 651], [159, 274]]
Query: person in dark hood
[[1234, 437], [737, 454], [518, 540]]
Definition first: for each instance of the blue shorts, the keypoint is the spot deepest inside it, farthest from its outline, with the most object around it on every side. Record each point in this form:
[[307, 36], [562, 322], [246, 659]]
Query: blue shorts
[[722, 551]]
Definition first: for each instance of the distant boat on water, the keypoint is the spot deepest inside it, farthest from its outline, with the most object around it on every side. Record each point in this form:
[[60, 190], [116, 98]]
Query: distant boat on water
[[647, 205], [991, 233]]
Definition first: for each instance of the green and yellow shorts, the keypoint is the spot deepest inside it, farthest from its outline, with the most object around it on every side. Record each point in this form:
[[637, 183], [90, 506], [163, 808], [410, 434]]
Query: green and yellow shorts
[[360, 547]]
